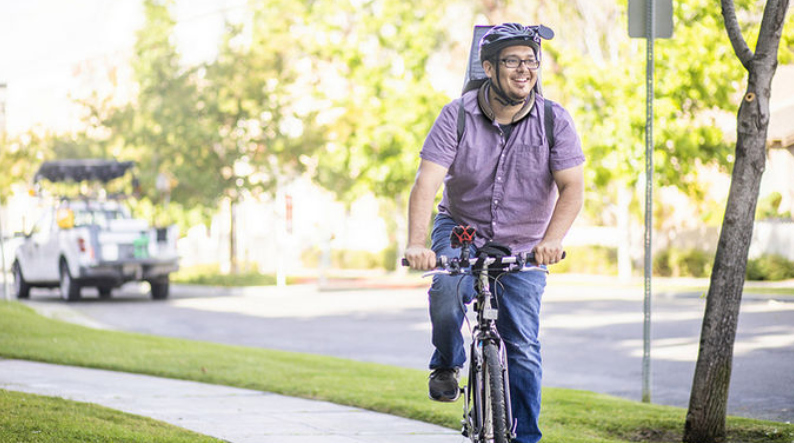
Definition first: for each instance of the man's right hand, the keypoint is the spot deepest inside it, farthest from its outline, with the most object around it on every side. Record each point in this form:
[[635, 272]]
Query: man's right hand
[[420, 257]]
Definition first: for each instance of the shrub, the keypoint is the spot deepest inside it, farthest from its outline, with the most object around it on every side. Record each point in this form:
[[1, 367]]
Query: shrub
[[695, 263], [390, 257], [673, 262], [770, 267], [589, 260], [210, 275], [661, 263], [348, 259], [769, 208]]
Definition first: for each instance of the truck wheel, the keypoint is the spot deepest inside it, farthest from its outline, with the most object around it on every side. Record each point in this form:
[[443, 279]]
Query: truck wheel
[[70, 288], [159, 288], [21, 287], [104, 291]]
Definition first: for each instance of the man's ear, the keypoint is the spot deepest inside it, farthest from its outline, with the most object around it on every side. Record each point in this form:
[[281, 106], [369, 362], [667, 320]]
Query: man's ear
[[488, 68]]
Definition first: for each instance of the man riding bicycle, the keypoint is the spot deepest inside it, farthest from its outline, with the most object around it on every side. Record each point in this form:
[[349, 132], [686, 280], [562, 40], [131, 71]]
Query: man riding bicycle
[[502, 178]]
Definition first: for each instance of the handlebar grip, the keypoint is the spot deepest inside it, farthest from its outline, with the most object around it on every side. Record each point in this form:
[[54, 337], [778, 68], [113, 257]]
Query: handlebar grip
[[530, 257], [441, 261]]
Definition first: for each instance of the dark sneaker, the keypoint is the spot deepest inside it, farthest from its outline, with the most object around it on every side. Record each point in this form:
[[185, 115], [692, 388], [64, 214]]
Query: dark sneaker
[[444, 385]]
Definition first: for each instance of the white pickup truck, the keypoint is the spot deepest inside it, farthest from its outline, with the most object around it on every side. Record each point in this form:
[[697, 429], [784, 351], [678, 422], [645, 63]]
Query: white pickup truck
[[94, 243]]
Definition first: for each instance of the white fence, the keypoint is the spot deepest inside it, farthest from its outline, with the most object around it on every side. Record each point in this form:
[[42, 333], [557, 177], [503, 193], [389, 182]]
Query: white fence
[[769, 237], [773, 238]]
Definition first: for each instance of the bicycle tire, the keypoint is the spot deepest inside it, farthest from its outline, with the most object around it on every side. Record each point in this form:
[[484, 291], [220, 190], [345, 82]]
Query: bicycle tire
[[494, 398]]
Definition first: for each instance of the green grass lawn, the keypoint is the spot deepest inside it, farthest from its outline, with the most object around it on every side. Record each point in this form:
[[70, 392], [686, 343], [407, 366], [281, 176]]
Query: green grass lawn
[[568, 416], [36, 418]]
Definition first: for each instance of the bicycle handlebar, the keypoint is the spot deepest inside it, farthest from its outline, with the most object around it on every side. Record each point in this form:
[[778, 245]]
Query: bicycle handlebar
[[442, 261]]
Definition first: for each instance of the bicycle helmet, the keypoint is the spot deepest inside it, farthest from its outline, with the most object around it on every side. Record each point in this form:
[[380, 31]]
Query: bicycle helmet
[[510, 34]]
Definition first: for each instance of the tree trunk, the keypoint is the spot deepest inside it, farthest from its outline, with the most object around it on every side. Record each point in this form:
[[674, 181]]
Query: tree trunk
[[705, 421], [708, 402]]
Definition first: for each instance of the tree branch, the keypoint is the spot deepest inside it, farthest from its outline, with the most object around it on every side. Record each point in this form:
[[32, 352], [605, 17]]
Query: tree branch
[[771, 29], [740, 47]]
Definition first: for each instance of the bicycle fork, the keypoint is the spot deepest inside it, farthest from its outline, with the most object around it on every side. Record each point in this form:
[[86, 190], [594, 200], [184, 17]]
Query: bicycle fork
[[474, 405]]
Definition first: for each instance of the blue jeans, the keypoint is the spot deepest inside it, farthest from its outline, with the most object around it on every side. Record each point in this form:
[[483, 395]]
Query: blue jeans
[[519, 298]]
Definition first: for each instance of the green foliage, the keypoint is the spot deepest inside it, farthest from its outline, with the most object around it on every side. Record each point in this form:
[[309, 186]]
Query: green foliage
[[163, 125], [380, 101], [256, 100], [588, 260], [604, 87], [349, 259], [786, 55], [770, 267], [769, 208], [18, 157], [390, 256], [210, 275], [341, 90], [673, 262]]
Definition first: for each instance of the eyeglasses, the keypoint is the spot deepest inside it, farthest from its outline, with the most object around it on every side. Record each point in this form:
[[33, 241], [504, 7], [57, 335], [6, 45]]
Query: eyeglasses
[[514, 63]]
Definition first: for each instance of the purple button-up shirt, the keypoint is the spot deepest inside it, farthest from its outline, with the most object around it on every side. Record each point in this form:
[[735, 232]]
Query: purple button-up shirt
[[502, 188]]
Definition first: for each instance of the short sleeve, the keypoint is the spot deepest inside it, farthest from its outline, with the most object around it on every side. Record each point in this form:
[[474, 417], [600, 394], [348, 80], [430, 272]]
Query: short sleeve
[[441, 144], [567, 150]]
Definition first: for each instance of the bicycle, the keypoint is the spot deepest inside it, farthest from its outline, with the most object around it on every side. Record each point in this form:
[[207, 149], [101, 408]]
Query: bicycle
[[487, 411]]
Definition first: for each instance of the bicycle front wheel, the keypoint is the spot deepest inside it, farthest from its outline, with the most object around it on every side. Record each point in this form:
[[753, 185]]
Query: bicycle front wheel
[[495, 424]]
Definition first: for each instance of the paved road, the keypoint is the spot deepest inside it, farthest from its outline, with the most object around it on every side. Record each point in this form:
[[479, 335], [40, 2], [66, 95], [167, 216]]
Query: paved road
[[591, 334]]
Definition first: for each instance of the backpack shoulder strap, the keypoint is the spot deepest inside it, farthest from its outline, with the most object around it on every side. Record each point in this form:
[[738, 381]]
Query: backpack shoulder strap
[[548, 121], [461, 120]]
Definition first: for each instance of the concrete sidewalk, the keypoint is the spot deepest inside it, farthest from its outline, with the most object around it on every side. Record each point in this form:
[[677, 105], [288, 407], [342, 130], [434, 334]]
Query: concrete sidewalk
[[231, 414]]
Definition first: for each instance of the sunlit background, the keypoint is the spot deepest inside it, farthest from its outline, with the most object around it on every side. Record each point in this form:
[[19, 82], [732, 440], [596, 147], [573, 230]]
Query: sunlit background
[[297, 125]]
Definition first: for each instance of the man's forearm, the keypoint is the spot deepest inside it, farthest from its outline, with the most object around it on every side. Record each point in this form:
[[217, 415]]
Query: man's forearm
[[420, 206], [567, 208], [420, 203]]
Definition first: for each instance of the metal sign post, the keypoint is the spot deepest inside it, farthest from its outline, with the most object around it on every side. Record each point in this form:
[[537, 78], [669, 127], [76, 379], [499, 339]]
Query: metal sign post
[[649, 19], [646, 329]]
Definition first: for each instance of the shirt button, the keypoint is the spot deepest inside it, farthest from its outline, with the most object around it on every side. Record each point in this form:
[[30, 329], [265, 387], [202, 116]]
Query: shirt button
[[499, 179], [496, 202]]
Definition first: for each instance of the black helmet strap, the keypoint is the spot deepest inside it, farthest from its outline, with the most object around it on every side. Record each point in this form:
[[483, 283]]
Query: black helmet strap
[[501, 96], [487, 110]]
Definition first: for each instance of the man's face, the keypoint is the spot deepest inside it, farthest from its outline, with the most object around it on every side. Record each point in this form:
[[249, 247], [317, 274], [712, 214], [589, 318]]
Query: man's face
[[518, 82]]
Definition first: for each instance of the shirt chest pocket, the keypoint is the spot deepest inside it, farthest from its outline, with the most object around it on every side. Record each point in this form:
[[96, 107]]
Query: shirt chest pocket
[[531, 158]]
